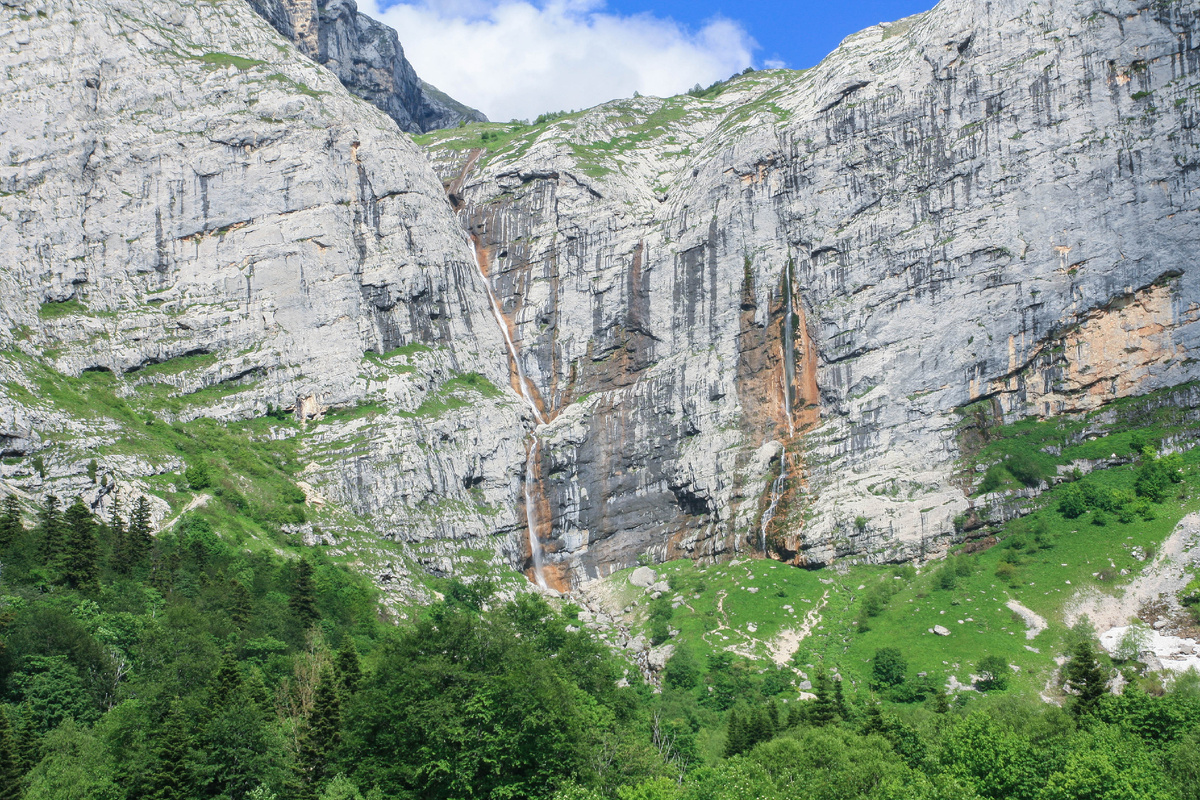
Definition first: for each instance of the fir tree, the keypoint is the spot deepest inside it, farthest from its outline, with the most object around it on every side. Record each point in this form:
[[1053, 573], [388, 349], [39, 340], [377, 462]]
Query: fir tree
[[11, 527], [1085, 677], [226, 681], [304, 596], [28, 742], [824, 709], [796, 715], [10, 761], [736, 733], [80, 556], [348, 667], [51, 534], [171, 779], [258, 693], [321, 736], [839, 699], [240, 604], [759, 727], [139, 541], [120, 559]]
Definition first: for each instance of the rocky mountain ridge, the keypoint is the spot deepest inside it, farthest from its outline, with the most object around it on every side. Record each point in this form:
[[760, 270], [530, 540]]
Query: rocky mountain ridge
[[749, 322], [368, 58]]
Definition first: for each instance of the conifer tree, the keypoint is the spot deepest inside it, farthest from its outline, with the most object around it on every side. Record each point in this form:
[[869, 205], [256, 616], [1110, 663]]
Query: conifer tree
[[795, 715], [304, 596], [11, 527], [839, 699], [80, 556], [51, 534], [240, 604], [138, 536], [823, 710], [171, 778], [322, 734], [10, 761], [736, 735], [120, 558], [1084, 675], [258, 693], [348, 667], [28, 743], [760, 728], [227, 680]]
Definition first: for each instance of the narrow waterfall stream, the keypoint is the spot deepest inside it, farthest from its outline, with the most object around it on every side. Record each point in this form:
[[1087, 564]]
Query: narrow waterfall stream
[[788, 347], [532, 452], [535, 546], [789, 350], [777, 486]]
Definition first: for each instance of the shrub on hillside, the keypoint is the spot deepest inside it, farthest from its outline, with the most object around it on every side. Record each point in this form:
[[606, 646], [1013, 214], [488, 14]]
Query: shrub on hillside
[[888, 668], [1024, 468], [1071, 501], [993, 673]]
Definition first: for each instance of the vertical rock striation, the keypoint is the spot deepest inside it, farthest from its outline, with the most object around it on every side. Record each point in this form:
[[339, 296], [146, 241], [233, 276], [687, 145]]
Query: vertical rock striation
[[750, 320], [185, 188], [991, 201], [367, 57]]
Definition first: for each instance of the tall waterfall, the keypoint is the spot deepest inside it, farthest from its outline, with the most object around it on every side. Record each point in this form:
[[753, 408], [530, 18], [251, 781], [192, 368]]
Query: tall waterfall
[[531, 454], [788, 348]]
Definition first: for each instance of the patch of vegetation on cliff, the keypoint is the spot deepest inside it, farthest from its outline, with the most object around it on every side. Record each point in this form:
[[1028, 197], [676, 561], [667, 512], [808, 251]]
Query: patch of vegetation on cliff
[[1030, 450], [63, 308], [1042, 561], [240, 63]]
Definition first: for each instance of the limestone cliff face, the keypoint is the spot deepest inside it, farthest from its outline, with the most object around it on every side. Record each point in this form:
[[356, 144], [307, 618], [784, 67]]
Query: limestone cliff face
[[816, 271], [187, 189], [367, 57], [744, 322]]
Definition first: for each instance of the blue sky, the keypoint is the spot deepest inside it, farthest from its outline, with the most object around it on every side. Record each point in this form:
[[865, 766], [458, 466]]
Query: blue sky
[[514, 59], [798, 33]]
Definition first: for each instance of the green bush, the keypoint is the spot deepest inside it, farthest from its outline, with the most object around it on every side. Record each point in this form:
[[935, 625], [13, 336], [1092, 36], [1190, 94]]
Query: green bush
[[197, 476], [993, 673], [1025, 469], [946, 578], [1071, 501], [1155, 476], [992, 479], [888, 668]]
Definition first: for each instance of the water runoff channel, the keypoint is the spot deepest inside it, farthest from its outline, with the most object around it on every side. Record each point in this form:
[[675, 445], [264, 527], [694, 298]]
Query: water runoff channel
[[533, 448]]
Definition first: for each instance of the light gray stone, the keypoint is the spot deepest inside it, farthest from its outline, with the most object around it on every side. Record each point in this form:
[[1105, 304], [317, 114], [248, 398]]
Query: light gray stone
[[642, 576]]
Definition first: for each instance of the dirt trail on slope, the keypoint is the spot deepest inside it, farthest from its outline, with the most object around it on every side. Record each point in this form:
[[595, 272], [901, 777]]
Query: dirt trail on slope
[[787, 640], [1034, 622]]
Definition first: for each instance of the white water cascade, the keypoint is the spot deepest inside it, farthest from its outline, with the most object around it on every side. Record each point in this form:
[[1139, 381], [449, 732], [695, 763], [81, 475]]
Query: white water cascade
[[535, 547], [789, 377], [789, 351], [776, 494], [531, 455]]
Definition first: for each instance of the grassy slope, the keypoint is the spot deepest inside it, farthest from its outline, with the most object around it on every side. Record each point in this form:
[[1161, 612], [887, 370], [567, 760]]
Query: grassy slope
[[1068, 555], [253, 465], [636, 122]]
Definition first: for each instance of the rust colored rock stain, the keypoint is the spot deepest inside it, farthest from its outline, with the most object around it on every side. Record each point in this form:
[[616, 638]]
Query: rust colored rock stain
[[556, 575], [1105, 354], [514, 375], [762, 382]]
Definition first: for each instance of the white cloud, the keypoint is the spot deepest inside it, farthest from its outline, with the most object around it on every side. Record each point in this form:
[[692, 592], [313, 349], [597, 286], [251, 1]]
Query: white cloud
[[517, 59]]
